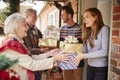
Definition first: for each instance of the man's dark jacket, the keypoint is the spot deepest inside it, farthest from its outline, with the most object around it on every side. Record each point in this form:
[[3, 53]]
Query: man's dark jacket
[[32, 39]]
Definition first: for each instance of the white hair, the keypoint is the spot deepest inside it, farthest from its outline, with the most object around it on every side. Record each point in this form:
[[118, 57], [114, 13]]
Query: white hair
[[12, 23]]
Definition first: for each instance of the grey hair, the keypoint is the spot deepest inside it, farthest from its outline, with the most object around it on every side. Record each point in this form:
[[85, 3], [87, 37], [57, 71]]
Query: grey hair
[[12, 23], [30, 11]]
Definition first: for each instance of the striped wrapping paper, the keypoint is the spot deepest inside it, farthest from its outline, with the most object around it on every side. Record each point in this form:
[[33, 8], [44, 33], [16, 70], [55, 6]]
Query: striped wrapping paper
[[69, 65]]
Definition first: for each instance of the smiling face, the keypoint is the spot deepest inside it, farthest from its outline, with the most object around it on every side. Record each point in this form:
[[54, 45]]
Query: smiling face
[[89, 20], [31, 19], [21, 31], [16, 24], [64, 16]]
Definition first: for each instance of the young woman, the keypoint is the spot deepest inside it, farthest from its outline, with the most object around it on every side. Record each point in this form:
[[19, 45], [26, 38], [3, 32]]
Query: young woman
[[95, 37]]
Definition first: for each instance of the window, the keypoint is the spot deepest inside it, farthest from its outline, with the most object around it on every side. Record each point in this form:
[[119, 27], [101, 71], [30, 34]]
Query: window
[[53, 18]]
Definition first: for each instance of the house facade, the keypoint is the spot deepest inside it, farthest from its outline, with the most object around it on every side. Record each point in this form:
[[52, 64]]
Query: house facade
[[48, 16]]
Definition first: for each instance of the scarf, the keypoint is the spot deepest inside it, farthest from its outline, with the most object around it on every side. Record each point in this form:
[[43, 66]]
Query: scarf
[[14, 44]]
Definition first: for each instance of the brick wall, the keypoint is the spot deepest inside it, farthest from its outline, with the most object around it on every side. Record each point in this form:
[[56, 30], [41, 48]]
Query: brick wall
[[115, 47]]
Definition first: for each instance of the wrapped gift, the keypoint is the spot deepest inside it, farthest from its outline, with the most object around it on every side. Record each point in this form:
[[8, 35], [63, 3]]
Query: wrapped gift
[[51, 32], [68, 65], [47, 42], [72, 48], [71, 45]]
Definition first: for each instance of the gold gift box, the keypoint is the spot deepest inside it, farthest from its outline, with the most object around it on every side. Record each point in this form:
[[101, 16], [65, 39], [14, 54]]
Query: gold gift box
[[47, 42], [71, 47]]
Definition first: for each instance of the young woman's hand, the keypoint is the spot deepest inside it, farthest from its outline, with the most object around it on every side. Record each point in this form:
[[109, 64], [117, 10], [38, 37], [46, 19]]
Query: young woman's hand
[[79, 57]]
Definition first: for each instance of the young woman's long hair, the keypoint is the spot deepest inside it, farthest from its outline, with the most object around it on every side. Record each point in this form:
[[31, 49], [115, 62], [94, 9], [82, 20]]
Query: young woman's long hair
[[87, 31]]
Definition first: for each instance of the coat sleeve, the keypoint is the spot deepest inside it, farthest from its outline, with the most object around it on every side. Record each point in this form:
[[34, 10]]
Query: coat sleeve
[[40, 56], [28, 62]]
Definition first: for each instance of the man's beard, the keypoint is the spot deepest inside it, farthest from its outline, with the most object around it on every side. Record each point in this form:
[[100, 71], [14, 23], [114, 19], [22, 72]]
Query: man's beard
[[66, 20]]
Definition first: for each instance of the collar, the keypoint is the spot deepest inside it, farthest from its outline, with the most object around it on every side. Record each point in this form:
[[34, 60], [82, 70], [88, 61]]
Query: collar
[[15, 36], [72, 25]]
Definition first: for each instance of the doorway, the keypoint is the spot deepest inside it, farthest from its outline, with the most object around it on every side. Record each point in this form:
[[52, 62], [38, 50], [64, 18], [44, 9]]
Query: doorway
[[105, 6]]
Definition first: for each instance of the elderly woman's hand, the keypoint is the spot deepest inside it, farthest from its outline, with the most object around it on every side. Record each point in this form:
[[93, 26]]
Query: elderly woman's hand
[[61, 57], [79, 57], [53, 52]]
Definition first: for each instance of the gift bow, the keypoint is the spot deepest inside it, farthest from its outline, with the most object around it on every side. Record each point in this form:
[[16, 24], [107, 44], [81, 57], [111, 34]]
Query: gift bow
[[71, 39]]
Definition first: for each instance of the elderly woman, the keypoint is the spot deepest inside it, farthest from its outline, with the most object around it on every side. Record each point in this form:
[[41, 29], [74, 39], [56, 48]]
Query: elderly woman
[[12, 46]]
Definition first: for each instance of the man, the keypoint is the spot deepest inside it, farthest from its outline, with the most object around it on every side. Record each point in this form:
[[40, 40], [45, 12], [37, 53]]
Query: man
[[71, 29], [33, 35]]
